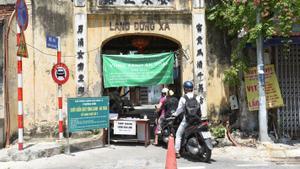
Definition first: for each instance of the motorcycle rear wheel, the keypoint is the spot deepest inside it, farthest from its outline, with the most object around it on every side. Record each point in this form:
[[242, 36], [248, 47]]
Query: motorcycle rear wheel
[[206, 155]]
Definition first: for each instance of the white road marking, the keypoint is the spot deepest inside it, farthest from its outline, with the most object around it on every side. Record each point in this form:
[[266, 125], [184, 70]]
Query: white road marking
[[289, 165], [195, 167], [252, 165]]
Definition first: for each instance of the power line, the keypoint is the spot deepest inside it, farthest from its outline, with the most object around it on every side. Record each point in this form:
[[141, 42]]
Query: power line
[[184, 51], [39, 50]]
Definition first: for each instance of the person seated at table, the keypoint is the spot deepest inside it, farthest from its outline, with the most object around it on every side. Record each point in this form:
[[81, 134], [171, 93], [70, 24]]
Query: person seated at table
[[115, 102]]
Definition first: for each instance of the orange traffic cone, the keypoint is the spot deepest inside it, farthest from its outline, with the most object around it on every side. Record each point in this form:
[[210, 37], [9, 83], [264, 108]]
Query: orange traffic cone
[[171, 162]]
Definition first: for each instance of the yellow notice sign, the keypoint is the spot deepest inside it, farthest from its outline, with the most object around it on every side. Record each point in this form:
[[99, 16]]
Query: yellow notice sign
[[273, 94], [22, 50]]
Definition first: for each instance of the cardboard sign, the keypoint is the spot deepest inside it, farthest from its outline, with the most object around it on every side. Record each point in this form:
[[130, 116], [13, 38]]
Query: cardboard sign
[[124, 127], [273, 94]]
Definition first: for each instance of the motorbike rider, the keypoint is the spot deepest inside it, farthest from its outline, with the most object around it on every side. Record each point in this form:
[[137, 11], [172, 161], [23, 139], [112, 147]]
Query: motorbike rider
[[160, 113], [188, 91], [171, 104]]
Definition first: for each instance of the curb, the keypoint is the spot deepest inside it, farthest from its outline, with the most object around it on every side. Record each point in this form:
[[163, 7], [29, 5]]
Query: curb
[[282, 151], [39, 150]]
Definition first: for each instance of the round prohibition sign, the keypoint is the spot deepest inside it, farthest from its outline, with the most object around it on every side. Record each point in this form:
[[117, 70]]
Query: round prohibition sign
[[60, 73], [22, 14]]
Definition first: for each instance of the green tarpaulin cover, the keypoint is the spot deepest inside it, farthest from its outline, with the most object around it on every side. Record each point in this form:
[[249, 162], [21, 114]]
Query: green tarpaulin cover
[[138, 69]]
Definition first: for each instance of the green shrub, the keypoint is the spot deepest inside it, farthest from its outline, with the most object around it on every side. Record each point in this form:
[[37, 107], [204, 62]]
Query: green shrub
[[218, 131]]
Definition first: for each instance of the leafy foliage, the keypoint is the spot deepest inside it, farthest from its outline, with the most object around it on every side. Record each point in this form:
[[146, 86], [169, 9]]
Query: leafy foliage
[[218, 131], [238, 17]]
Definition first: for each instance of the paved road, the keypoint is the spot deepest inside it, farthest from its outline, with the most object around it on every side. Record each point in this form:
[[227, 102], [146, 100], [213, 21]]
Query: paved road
[[139, 157]]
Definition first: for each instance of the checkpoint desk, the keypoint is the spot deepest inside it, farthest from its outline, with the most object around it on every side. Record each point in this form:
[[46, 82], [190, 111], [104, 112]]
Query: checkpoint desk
[[136, 129]]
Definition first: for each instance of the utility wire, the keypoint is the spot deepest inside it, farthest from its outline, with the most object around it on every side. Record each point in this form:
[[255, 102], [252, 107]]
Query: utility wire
[[39, 50], [90, 51]]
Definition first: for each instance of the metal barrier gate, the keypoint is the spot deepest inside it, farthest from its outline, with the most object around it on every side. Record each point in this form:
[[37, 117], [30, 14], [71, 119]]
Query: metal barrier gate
[[288, 73]]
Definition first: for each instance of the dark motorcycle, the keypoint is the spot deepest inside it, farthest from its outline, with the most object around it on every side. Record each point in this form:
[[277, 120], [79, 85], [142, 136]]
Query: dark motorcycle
[[196, 140], [169, 125]]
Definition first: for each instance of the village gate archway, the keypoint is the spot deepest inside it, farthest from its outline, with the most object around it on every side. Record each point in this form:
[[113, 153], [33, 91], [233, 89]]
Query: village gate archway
[[146, 44]]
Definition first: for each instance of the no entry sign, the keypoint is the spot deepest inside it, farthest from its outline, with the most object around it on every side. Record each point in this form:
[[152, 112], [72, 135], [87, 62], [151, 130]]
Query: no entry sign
[[60, 73], [22, 14]]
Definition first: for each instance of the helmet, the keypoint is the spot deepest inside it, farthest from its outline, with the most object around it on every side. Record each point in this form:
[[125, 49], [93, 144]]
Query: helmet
[[188, 85], [171, 93], [165, 90]]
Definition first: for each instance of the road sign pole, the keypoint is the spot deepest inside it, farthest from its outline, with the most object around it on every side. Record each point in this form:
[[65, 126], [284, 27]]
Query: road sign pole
[[108, 134], [60, 114], [58, 50], [60, 74], [20, 95], [68, 149], [59, 89], [22, 23]]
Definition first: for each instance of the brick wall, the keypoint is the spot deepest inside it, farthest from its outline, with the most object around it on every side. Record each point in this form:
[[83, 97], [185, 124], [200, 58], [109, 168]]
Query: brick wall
[[5, 11]]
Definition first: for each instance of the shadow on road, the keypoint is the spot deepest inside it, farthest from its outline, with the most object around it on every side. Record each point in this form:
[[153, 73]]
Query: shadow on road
[[193, 159]]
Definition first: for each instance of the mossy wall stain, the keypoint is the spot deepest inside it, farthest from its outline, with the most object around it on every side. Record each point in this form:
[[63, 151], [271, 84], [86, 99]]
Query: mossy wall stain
[[53, 17], [218, 60]]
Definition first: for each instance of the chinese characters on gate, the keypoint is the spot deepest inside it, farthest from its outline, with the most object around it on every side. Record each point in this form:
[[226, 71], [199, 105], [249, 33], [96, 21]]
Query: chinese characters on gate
[[136, 2], [199, 34], [80, 46]]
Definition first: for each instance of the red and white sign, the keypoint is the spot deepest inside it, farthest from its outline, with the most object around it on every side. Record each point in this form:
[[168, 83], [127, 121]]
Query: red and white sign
[[60, 73]]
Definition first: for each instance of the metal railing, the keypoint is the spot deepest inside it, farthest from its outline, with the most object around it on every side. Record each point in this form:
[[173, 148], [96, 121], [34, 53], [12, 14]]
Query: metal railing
[[288, 72]]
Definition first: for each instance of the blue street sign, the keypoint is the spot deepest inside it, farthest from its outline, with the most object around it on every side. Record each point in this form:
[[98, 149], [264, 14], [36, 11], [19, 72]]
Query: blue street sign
[[22, 14], [51, 42]]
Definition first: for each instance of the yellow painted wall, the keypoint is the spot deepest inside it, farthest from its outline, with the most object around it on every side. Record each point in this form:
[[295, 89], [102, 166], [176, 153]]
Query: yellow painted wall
[[12, 76], [217, 91], [40, 91], [99, 33]]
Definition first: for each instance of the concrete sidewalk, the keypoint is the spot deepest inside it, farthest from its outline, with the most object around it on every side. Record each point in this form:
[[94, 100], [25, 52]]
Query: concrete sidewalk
[[40, 148], [282, 151]]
